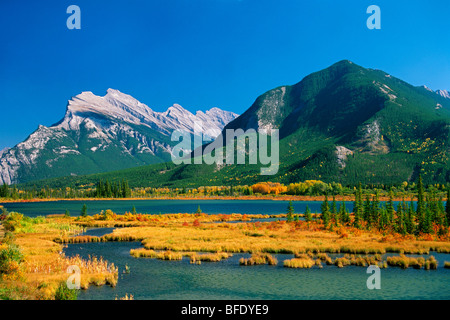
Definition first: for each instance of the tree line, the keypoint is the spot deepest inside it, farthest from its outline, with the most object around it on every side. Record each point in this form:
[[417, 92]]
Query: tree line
[[428, 215]]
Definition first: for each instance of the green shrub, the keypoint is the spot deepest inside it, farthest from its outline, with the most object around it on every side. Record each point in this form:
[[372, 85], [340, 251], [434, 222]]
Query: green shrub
[[9, 256], [64, 293]]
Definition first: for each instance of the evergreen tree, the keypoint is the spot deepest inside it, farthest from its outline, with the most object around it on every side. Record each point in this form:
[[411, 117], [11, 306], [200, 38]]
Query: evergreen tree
[[410, 219], [400, 225], [4, 191], [325, 209], [383, 218], [308, 215], [334, 211], [133, 210], [108, 189], [290, 212], [84, 210], [427, 224], [358, 208], [420, 211], [367, 209], [343, 214], [198, 210], [375, 210], [390, 208], [67, 214]]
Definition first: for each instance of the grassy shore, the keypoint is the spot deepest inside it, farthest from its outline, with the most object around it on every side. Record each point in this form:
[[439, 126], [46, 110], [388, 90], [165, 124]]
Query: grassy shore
[[201, 237], [348, 198], [42, 266]]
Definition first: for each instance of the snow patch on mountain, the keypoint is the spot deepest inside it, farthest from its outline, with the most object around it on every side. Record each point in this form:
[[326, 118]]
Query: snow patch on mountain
[[444, 93]]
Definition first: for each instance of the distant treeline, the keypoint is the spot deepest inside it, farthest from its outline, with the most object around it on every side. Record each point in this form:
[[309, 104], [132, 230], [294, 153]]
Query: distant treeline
[[121, 189]]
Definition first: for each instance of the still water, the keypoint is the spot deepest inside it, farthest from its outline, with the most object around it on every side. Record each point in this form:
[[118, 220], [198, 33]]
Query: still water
[[271, 207], [180, 280], [34, 209]]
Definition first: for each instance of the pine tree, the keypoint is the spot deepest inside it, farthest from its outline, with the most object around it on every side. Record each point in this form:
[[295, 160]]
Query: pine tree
[[308, 216], [420, 211], [400, 225], [108, 190], [325, 209], [390, 208], [198, 210], [4, 191], [358, 208], [67, 214], [290, 212], [343, 214], [410, 219], [334, 212], [375, 210], [367, 209], [133, 210], [427, 224], [84, 210], [126, 191]]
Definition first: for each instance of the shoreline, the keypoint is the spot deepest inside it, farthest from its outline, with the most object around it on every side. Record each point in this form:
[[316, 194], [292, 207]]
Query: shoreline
[[273, 198]]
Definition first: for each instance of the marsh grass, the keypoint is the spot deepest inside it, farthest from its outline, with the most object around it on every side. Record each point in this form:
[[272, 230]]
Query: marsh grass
[[259, 259], [405, 262], [169, 255], [303, 263], [143, 253], [209, 257]]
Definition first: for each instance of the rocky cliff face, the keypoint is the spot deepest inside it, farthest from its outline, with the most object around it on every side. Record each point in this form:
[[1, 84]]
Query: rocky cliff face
[[100, 134]]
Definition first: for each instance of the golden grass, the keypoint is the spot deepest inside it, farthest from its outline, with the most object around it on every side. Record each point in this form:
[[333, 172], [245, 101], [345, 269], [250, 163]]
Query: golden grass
[[273, 237], [143, 253], [259, 258], [209, 257], [169, 255], [45, 265], [304, 263], [405, 262]]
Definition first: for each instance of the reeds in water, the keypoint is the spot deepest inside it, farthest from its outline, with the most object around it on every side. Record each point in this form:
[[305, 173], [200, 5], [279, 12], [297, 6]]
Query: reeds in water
[[143, 253], [258, 259], [169, 255], [304, 263], [209, 257], [405, 262]]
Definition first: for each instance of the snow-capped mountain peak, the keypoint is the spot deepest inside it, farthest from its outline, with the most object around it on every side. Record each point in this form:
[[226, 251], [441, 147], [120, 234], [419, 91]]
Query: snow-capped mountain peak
[[96, 128], [124, 107]]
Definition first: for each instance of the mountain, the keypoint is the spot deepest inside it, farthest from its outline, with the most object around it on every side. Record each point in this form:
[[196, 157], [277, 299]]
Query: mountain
[[99, 134], [3, 151], [443, 93], [345, 124]]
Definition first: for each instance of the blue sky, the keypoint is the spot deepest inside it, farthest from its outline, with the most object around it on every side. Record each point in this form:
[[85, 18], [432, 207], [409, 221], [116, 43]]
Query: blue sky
[[202, 53]]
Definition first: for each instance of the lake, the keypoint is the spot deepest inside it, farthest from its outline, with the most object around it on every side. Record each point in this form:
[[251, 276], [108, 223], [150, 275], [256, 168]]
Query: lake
[[270, 207], [34, 209], [179, 280]]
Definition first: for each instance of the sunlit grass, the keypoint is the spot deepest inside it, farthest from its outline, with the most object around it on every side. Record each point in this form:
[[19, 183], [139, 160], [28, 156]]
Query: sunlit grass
[[304, 263], [259, 258]]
